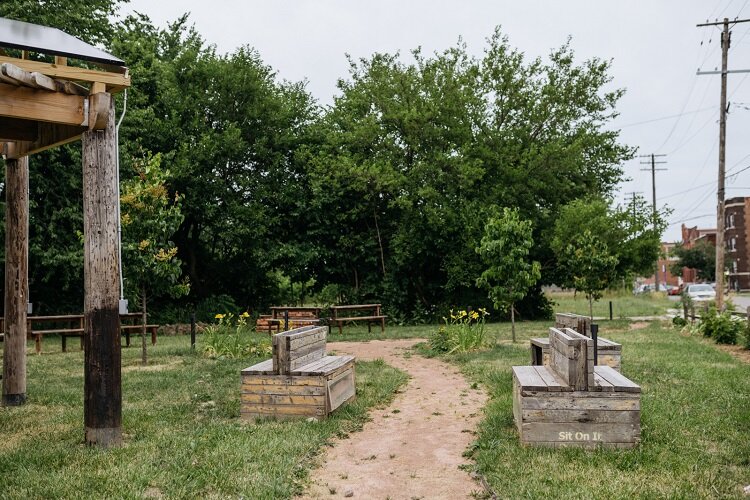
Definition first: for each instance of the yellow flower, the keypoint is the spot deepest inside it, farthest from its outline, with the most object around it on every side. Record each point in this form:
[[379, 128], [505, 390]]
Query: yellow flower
[[219, 316], [474, 315], [244, 315]]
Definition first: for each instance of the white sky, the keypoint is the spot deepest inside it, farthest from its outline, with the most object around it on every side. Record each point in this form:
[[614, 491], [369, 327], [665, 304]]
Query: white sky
[[654, 44]]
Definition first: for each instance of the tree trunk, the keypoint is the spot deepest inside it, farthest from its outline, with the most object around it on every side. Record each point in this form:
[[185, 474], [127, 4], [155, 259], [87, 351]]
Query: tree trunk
[[16, 280], [591, 308], [380, 241], [144, 319], [102, 402], [513, 322]]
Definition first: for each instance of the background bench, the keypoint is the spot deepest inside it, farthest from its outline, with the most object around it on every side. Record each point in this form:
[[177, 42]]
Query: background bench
[[571, 402], [72, 325], [296, 317], [300, 380], [608, 353], [369, 313]]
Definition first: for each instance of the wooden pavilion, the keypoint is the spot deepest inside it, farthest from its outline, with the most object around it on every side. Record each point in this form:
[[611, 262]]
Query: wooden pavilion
[[45, 102]]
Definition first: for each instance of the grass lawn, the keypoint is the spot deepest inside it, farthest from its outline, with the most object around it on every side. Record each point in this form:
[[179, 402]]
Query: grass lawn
[[695, 424], [624, 305], [183, 435]]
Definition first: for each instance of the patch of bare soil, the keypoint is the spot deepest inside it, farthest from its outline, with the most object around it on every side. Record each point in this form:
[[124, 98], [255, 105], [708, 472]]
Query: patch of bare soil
[[413, 448], [172, 365], [737, 351], [639, 325]]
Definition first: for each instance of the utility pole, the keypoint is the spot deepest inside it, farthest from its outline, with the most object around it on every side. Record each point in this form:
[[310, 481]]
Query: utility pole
[[653, 169], [726, 37], [633, 197]]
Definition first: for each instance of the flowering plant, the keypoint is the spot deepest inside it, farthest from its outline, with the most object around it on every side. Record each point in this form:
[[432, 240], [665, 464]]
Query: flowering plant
[[463, 331]]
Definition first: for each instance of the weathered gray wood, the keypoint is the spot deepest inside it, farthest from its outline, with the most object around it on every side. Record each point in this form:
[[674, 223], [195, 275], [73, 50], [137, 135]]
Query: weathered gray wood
[[341, 389], [581, 432], [599, 416], [553, 383], [618, 380], [601, 384], [262, 368], [529, 379], [16, 280], [102, 360], [325, 366], [580, 401]]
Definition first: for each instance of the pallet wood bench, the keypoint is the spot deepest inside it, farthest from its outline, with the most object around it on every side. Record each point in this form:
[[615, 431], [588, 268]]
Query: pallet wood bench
[[609, 353], [573, 403], [300, 380], [296, 317], [349, 314]]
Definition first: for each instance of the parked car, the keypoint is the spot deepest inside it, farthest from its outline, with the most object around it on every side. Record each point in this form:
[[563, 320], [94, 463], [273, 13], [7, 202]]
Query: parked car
[[644, 289], [675, 290], [700, 293]]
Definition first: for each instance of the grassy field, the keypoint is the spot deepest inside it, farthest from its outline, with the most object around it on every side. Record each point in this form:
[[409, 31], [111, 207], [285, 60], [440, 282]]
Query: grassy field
[[695, 424], [624, 305], [183, 436]]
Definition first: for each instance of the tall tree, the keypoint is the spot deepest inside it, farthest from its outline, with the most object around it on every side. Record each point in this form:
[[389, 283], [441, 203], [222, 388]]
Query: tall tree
[[505, 249]]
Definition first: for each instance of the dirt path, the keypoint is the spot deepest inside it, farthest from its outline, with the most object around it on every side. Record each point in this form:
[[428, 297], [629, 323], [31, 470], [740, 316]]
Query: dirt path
[[413, 448]]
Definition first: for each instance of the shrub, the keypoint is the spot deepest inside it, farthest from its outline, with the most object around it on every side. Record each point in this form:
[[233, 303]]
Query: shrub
[[679, 322], [722, 327], [231, 337], [463, 332]]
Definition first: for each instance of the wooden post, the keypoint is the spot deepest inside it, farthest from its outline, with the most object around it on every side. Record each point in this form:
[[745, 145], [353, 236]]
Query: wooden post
[[192, 329], [102, 405], [16, 280]]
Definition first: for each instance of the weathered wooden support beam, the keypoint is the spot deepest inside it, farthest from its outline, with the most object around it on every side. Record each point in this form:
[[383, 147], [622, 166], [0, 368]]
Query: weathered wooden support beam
[[52, 107], [114, 80], [102, 374], [48, 135], [15, 129], [16, 280]]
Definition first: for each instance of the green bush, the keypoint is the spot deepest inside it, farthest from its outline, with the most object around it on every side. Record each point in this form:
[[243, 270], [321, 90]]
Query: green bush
[[463, 332], [721, 327], [679, 322]]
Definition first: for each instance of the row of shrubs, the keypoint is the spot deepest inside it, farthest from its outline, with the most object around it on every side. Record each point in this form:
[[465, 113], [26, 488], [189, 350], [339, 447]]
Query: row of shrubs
[[723, 327]]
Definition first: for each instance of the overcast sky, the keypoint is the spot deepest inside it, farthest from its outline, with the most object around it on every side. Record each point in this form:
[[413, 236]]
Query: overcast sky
[[654, 45]]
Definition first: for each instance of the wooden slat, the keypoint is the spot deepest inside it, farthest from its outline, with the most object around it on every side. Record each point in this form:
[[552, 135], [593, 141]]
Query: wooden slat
[[553, 384], [16, 129], [580, 401], [340, 389], [114, 81], [581, 432], [618, 380], [529, 379], [302, 390], [284, 399], [281, 380], [598, 416], [601, 384], [262, 368]]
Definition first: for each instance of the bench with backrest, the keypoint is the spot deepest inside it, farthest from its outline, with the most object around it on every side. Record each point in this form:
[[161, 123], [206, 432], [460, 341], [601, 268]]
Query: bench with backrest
[[369, 313], [300, 380], [295, 316], [608, 353], [571, 402]]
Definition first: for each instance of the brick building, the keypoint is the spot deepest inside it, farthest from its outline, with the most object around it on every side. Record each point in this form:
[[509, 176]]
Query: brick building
[[665, 275], [690, 236], [737, 238]]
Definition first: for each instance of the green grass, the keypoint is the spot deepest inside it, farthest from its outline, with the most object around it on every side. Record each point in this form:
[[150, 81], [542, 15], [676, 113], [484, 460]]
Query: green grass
[[695, 424], [182, 433], [624, 305]]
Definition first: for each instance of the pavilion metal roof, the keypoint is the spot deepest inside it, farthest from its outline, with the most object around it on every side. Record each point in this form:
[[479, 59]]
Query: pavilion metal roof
[[52, 41]]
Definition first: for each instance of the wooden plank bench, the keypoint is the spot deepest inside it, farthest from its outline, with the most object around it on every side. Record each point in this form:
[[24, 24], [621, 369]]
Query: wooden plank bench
[[571, 402], [300, 380], [72, 325], [609, 353], [372, 315]]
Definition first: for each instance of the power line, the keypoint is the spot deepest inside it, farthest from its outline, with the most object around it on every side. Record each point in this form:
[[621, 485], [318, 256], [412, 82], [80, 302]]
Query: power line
[[666, 117], [653, 169]]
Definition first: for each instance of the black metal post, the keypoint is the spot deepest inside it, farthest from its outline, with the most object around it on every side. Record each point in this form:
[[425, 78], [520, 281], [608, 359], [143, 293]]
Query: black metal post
[[286, 320], [595, 336], [610, 310]]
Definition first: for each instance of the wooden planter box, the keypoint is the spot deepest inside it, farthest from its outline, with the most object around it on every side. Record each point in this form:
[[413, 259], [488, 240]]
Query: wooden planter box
[[300, 381]]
